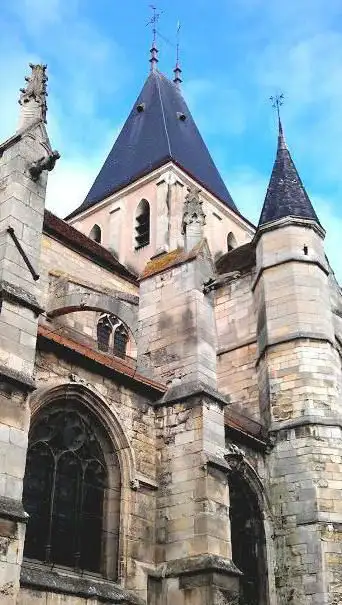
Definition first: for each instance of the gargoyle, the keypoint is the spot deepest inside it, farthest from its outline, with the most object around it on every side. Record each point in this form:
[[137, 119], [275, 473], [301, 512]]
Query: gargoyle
[[45, 163]]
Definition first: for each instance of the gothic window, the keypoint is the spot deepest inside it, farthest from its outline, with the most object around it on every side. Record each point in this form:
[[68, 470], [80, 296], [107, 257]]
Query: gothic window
[[120, 341], [64, 489], [248, 541], [104, 331], [231, 241], [96, 234], [142, 225]]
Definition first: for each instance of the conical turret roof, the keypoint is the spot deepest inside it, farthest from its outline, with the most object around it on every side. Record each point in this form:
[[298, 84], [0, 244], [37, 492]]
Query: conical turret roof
[[286, 195], [159, 129]]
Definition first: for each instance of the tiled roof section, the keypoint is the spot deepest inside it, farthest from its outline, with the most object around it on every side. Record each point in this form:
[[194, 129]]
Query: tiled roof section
[[79, 242], [118, 366], [159, 129], [241, 259], [246, 427], [286, 195], [162, 262]]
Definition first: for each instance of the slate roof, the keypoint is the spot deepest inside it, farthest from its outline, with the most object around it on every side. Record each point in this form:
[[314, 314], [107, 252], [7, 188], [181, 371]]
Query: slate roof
[[240, 259], [286, 195], [161, 131]]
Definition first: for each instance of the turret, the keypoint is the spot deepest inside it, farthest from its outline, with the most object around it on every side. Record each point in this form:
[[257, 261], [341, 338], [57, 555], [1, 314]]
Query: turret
[[299, 376]]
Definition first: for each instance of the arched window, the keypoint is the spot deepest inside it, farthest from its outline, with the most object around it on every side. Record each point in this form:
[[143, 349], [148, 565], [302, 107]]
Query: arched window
[[248, 541], [96, 234], [65, 486], [142, 225], [120, 341], [231, 241], [104, 330]]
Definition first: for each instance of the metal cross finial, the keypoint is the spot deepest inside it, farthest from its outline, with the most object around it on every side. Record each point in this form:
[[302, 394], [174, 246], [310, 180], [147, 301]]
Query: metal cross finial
[[177, 51], [153, 21], [277, 101]]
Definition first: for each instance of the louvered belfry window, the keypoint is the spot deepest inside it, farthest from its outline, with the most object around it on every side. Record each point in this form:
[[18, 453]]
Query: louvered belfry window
[[142, 225], [64, 488]]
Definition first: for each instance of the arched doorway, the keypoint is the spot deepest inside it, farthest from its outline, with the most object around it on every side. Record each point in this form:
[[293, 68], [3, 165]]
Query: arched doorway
[[248, 541]]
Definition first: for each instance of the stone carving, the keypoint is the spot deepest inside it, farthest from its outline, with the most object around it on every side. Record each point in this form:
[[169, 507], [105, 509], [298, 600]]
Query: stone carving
[[44, 163], [134, 483], [36, 88], [33, 102], [193, 210], [234, 456]]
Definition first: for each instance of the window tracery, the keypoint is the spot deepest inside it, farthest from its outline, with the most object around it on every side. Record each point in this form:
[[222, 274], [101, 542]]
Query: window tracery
[[120, 341], [104, 330], [64, 490]]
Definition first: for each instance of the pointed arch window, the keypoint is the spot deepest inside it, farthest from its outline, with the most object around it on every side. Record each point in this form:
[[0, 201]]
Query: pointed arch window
[[65, 484], [96, 234], [104, 331], [142, 225], [120, 341], [231, 241]]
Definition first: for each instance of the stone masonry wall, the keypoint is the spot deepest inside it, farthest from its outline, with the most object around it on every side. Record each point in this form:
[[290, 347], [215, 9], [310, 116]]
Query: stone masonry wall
[[237, 346], [177, 334], [299, 375], [62, 261]]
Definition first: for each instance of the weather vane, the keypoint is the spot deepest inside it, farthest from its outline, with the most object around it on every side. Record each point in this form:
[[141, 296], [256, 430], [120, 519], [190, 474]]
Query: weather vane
[[154, 20], [277, 101]]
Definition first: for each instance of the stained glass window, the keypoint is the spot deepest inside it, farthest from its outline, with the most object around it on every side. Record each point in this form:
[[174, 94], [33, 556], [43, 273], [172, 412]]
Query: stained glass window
[[104, 330], [64, 488], [120, 341]]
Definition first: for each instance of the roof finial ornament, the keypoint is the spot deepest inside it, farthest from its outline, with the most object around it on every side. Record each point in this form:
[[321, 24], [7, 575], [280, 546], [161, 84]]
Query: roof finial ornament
[[154, 50], [193, 218], [33, 97], [177, 70], [277, 101]]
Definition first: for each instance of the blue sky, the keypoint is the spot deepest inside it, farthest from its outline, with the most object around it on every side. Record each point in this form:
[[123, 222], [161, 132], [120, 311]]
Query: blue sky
[[234, 55]]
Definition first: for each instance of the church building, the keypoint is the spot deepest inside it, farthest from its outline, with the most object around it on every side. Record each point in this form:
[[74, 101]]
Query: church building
[[170, 376]]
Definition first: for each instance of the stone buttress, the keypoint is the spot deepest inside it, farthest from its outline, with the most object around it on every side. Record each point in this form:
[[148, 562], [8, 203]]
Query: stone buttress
[[24, 160], [177, 337]]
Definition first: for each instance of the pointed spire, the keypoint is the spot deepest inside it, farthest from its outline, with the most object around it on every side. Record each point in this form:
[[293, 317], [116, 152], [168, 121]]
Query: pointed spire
[[281, 137], [286, 195]]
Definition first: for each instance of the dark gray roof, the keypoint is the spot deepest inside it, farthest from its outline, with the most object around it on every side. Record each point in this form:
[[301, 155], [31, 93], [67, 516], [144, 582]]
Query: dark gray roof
[[161, 131], [286, 195]]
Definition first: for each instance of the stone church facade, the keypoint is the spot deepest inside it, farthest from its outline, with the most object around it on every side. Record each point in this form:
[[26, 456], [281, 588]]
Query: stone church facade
[[170, 377]]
